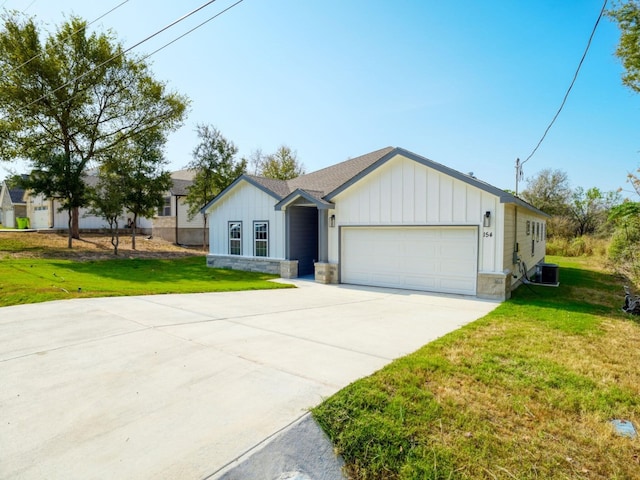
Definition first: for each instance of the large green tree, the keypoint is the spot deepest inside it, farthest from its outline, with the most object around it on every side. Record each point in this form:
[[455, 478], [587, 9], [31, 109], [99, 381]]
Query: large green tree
[[59, 175], [549, 191], [214, 167], [590, 208], [75, 96], [627, 15], [283, 164]]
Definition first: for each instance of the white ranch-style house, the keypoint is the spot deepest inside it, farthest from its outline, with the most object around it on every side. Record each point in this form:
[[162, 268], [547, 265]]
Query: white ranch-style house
[[390, 218], [171, 222]]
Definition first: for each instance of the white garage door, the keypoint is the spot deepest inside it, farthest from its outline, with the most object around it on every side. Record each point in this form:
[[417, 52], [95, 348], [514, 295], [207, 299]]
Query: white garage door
[[436, 259], [40, 217]]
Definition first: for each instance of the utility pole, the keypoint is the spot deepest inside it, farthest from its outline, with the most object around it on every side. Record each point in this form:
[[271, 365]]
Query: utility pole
[[518, 174]]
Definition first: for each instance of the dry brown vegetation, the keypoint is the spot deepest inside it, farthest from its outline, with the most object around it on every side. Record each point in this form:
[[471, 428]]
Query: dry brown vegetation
[[18, 244]]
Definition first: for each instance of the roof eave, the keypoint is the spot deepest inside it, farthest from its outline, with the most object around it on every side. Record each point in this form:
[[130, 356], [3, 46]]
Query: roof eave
[[300, 193], [505, 197], [521, 203]]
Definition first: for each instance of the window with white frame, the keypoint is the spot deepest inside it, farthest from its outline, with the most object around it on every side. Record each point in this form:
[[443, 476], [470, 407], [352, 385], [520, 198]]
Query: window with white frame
[[261, 239], [165, 209], [235, 238]]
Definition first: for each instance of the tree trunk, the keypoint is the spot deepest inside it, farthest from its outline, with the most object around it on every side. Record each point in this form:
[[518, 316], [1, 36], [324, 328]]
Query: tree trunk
[[204, 232], [115, 236], [75, 223], [70, 242], [133, 231]]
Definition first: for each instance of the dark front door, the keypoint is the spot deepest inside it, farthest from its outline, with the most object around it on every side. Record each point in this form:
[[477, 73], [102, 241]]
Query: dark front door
[[303, 238]]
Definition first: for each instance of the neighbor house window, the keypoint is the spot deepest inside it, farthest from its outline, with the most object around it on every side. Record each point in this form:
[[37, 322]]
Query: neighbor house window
[[528, 227], [165, 209], [261, 239], [235, 238]]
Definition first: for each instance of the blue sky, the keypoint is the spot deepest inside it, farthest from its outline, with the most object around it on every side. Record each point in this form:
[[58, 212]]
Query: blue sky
[[468, 84]]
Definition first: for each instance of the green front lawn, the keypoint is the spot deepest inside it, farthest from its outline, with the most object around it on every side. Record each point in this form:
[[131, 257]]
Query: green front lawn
[[32, 280], [527, 392]]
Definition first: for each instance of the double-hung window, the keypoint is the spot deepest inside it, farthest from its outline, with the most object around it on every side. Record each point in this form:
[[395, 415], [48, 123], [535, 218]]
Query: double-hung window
[[261, 239], [235, 238], [165, 209]]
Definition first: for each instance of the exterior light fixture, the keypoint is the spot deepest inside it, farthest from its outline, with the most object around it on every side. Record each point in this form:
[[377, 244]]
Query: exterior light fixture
[[332, 221], [487, 219]]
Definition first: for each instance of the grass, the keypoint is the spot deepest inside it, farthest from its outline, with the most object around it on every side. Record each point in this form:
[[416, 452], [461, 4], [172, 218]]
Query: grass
[[27, 275], [526, 392]]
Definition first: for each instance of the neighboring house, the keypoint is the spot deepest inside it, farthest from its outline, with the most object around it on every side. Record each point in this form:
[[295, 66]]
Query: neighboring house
[[12, 205], [45, 213], [390, 218], [172, 222]]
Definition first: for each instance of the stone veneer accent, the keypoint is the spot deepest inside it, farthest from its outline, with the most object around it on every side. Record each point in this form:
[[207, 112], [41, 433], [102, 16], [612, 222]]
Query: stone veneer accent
[[289, 268], [247, 264], [494, 286], [326, 272]]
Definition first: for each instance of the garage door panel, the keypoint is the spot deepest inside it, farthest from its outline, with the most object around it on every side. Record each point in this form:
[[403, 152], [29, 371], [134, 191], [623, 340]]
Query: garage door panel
[[442, 259]]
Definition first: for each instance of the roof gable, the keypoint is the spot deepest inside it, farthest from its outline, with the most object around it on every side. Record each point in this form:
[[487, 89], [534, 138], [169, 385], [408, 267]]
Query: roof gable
[[266, 185], [16, 195], [505, 197], [312, 197]]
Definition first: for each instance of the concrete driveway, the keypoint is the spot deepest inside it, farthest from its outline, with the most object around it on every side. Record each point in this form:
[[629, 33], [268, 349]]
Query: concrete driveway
[[180, 386]]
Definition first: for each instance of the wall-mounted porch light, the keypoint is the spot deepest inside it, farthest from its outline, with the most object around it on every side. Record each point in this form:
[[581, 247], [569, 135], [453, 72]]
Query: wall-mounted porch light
[[487, 219], [332, 221]]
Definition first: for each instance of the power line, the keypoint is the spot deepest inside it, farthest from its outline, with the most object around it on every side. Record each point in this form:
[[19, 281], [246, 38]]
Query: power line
[[142, 59], [69, 36], [564, 100], [175, 22], [29, 6], [192, 30]]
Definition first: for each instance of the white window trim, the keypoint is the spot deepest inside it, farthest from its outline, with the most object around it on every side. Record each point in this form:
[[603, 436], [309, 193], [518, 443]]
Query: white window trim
[[256, 240], [229, 226]]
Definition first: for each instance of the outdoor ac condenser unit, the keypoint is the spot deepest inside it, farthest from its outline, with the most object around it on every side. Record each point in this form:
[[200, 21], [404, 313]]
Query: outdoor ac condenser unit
[[548, 273]]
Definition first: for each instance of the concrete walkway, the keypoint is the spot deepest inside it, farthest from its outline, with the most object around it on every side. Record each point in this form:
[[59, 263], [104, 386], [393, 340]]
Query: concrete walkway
[[182, 386]]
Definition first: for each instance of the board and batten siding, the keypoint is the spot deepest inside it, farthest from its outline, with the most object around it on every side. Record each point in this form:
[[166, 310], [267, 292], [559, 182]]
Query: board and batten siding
[[405, 192], [246, 203]]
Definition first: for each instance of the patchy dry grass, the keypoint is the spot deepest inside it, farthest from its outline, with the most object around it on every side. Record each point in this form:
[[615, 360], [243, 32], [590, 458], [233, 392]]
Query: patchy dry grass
[[527, 392], [16, 244]]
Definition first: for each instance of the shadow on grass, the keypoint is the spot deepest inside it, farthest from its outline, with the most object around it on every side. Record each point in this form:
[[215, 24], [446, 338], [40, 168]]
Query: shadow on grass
[[581, 291]]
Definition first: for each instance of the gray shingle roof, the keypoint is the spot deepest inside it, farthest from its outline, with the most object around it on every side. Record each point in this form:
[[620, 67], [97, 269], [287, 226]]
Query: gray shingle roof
[[325, 184], [16, 195], [321, 182], [180, 187], [279, 187], [330, 178]]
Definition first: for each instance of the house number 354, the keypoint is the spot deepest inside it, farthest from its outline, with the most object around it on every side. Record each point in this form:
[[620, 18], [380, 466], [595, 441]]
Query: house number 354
[[487, 234]]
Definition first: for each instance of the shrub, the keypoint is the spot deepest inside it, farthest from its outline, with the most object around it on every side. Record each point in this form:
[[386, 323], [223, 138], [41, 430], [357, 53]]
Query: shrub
[[585, 245]]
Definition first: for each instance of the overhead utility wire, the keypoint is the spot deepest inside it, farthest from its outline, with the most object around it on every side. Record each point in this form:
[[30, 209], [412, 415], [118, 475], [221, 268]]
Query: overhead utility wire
[[29, 6], [184, 17], [575, 76], [175, 39], [193, 29], [68, 37]]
